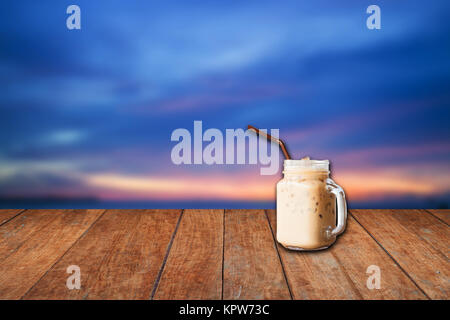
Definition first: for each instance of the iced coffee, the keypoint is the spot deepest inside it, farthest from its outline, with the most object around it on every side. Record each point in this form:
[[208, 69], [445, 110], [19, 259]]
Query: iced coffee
[[311, 209]]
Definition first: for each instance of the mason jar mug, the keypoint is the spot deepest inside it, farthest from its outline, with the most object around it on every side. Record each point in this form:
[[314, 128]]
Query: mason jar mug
[[311, 207]]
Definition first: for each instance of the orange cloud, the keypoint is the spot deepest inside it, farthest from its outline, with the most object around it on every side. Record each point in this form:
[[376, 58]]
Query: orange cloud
[[359, 184], [370, 183], [223, 187]]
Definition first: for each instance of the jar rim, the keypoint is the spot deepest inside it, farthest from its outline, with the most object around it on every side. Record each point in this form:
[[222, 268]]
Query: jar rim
[[307, 164]]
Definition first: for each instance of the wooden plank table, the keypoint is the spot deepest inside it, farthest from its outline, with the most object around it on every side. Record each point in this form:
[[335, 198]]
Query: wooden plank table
[[218, 254]]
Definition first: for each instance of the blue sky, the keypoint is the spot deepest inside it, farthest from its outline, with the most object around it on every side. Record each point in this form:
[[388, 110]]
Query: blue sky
[[89, 113]]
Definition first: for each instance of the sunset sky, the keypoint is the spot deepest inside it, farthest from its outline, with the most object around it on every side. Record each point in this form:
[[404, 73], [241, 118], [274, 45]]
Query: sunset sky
[[89, 113]]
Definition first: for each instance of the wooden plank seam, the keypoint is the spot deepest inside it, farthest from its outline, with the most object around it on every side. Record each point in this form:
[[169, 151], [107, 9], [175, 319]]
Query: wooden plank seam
[[166, 256], [62, 256], [279, 256], [393, 259], [14, 216], [428, 211]]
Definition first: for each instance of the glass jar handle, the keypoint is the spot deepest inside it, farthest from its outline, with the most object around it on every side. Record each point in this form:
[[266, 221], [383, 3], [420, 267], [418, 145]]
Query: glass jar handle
[[341, 211]]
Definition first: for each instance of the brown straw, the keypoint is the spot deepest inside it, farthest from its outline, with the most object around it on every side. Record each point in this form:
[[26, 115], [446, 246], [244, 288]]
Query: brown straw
[[269, 137]]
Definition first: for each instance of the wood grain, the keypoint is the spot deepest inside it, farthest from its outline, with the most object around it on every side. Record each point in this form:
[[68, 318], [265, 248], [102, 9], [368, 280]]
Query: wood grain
[[419, 243], [194, 265], [119, 258], [443, 214], [40, 238], [6, 214], [124, 254], [18, 230], [340, 271], [252, 268]]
